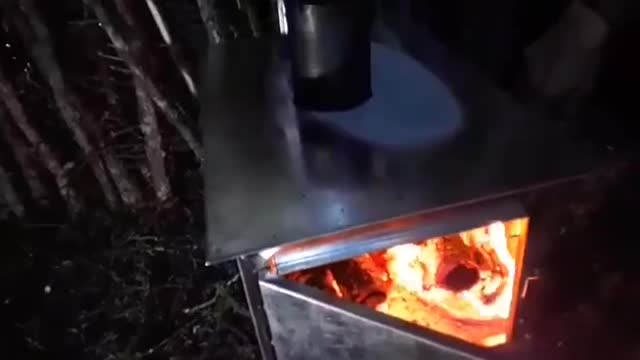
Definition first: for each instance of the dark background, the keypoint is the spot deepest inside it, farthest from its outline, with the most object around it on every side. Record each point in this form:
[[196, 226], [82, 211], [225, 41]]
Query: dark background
[[130, 282]]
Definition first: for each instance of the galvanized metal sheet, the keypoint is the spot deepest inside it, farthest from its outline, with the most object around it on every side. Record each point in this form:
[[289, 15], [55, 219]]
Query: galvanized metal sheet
[[349, 244], [309, 325], [274, 175]]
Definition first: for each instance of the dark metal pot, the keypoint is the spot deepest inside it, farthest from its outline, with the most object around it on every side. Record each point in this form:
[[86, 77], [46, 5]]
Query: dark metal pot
[[330, 45]]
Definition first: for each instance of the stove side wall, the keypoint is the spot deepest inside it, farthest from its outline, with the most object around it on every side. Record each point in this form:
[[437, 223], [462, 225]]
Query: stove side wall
[[304, 327]]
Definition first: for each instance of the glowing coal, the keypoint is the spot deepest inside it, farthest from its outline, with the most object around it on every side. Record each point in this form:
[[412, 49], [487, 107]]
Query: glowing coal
[[462, 285]]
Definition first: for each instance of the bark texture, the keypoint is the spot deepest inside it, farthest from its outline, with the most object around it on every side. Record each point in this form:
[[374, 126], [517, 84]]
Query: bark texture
[[174, 48], [10, 194], [132, 55], [45, 153], [209, 19], [79, 121], [25, 160], [249, 7], [153, 144]]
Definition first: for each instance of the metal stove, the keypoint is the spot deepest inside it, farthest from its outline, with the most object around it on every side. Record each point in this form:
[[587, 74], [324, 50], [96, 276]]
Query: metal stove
[[335, 217]]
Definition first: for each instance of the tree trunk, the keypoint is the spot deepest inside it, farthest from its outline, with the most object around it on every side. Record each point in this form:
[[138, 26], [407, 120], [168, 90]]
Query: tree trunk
[[45, 153], [209, 18], [249, 7], [24, 159], [72, 112], [9, 193], [132, 55], [153, 144], [174, 48], [42, 54]]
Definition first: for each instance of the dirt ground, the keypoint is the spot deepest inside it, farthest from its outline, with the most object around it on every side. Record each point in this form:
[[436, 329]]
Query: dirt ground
[[127, 293]]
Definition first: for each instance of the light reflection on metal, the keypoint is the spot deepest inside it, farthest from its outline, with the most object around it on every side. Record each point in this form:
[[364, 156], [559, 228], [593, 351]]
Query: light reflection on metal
[[525, 286], [308, 324], [379, 236], [267, 253], [266, 191], [282, 18]]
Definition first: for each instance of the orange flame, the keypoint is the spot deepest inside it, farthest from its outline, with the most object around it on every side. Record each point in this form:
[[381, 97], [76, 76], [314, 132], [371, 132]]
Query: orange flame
[[478, 306], [481, 314], [334, 284]]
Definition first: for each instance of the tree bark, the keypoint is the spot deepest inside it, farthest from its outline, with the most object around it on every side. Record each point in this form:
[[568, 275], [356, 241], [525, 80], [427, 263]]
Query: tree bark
[[45, 153], [174, 48], [249, 7], [132, 55], [85, 133], [155, 173], [10, 194], [24, 159], [209, 19], [153, 143]]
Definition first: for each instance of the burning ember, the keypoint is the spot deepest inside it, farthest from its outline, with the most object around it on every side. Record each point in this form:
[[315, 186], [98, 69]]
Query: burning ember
[[461, 285]]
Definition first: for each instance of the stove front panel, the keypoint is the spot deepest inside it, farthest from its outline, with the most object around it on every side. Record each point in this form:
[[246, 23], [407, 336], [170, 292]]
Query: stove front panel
[[308, 324], [385, 234]]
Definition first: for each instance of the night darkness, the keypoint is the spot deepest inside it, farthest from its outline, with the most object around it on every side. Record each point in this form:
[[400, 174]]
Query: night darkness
[[102, 216]]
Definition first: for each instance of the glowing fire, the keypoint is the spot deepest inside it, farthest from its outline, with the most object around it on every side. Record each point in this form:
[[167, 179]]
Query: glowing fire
[[461, 285], [414, 268]]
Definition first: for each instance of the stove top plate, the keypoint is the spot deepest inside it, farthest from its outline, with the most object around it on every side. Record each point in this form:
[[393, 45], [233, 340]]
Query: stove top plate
[[275, 175]]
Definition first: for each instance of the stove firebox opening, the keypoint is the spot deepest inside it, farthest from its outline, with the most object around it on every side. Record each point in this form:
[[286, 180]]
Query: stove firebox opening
[[462, 285]]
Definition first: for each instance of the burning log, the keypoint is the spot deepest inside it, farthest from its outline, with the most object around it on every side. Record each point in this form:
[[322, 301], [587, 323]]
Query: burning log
[[321, 279], [363, 277], [408, 306], [455, 267], [460, 285], [361, 280]]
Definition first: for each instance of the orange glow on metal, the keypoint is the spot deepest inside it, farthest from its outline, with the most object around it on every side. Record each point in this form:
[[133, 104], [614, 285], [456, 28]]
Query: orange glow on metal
[[463, 285]]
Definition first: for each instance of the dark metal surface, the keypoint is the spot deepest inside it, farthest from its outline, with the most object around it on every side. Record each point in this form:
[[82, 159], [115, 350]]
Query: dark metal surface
[[330, 47], [249, 275], [308, 324], [273, 176], [321, 251]]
